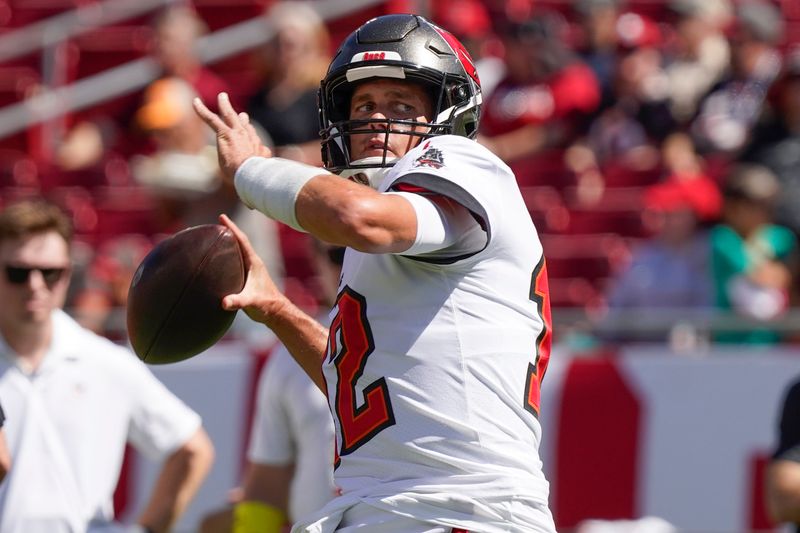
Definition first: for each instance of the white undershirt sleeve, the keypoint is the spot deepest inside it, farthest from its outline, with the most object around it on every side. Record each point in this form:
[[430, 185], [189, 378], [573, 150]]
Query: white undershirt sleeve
[[443, 226]]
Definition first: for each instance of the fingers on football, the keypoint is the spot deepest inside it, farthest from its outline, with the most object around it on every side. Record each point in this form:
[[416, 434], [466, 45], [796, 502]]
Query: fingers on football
[[247, 249], [208, 116]]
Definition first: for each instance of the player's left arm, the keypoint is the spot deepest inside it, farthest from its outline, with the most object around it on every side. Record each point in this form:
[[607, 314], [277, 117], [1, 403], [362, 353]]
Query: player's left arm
[[265, 503], [181, 476]]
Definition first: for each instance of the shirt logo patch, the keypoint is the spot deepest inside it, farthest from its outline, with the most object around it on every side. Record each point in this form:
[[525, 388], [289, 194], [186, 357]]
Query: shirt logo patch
[[432, 157]]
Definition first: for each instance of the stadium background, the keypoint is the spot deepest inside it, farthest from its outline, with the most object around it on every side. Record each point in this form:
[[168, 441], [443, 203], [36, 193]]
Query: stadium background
[[679, 429]]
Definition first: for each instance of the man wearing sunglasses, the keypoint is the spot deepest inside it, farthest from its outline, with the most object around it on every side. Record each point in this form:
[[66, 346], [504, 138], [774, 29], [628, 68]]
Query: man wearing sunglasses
[[74, 399]]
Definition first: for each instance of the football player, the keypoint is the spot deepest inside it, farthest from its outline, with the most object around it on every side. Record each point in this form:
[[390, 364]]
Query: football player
[[440, 334]]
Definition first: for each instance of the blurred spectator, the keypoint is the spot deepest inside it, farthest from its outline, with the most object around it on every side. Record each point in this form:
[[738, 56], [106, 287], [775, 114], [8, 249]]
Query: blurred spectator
[[598, 39], [680, 159], [627, 132], [183, 173], [100, 304], [782, 479], [74, 399], [754, 261], [700, 54], [290, 466], [672, 269], [176, 30], [294, 61], [289, 472], [547, 95], [731, 109], [470, 22], [88, 143], [776, 143], [84, 145]]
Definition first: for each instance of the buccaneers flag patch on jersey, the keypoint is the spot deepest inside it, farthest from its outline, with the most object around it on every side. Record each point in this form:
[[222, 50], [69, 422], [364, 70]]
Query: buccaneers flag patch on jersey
[[432, 157]]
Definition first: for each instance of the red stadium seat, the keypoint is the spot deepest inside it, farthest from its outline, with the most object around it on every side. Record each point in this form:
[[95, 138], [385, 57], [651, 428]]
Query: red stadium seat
[[573, 292], [28, 11], [296, 253], [546, 207], [122, 210], [588, 256], [78, 202], [219, 14], [110, 46], [17, 169], [620, 175]]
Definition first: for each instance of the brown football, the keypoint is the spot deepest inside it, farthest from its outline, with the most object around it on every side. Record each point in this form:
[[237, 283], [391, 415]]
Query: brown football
[[175, 298]]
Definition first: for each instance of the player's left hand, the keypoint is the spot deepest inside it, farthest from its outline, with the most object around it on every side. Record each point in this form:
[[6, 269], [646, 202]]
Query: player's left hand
[[237, 139]]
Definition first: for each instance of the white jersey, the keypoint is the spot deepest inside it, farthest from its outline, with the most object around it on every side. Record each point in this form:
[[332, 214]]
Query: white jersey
[[293, 425], [67, 426], [434, 362]]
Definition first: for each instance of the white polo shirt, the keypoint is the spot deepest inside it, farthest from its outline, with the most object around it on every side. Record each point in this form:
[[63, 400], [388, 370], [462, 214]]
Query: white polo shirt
[[68, 423], [293, 425]]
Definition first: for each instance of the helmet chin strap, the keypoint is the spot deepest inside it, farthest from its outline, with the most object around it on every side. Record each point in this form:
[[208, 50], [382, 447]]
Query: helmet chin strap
[[371, 176]]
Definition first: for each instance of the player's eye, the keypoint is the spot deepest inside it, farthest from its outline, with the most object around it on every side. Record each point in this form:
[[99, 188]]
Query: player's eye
[[364, 108], [404, 108]]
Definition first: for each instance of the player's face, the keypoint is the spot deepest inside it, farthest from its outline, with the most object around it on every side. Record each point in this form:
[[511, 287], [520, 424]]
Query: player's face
[[34, 277], [383, 99]]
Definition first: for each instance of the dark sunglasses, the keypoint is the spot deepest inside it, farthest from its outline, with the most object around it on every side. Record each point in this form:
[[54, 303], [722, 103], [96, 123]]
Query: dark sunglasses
[[18, 275]]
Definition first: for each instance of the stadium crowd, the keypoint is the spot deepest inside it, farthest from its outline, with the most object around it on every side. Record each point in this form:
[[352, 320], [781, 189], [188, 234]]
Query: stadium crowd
[[655, 143]]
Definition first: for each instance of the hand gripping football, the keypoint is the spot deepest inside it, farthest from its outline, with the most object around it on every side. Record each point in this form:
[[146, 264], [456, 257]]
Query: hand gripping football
[[175, 298]]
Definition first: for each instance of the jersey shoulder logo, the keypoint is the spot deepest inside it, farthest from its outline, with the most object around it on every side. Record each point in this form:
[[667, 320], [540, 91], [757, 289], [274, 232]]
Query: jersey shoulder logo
[[432, 157]]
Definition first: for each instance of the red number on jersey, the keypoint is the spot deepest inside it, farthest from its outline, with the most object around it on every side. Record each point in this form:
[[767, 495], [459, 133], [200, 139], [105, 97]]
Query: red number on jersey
[[540, 294], [358, 424]]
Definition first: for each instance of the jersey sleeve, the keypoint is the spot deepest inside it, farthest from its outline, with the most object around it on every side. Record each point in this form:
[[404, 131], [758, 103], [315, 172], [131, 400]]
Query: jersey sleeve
[[789, 429], [463, 171], [159, 421]]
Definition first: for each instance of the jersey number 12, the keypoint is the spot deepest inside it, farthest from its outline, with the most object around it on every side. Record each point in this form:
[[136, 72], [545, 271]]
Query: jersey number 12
[[363, 416]]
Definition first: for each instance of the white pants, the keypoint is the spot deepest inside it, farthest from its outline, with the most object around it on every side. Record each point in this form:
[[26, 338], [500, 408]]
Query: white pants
[[365, 518]]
